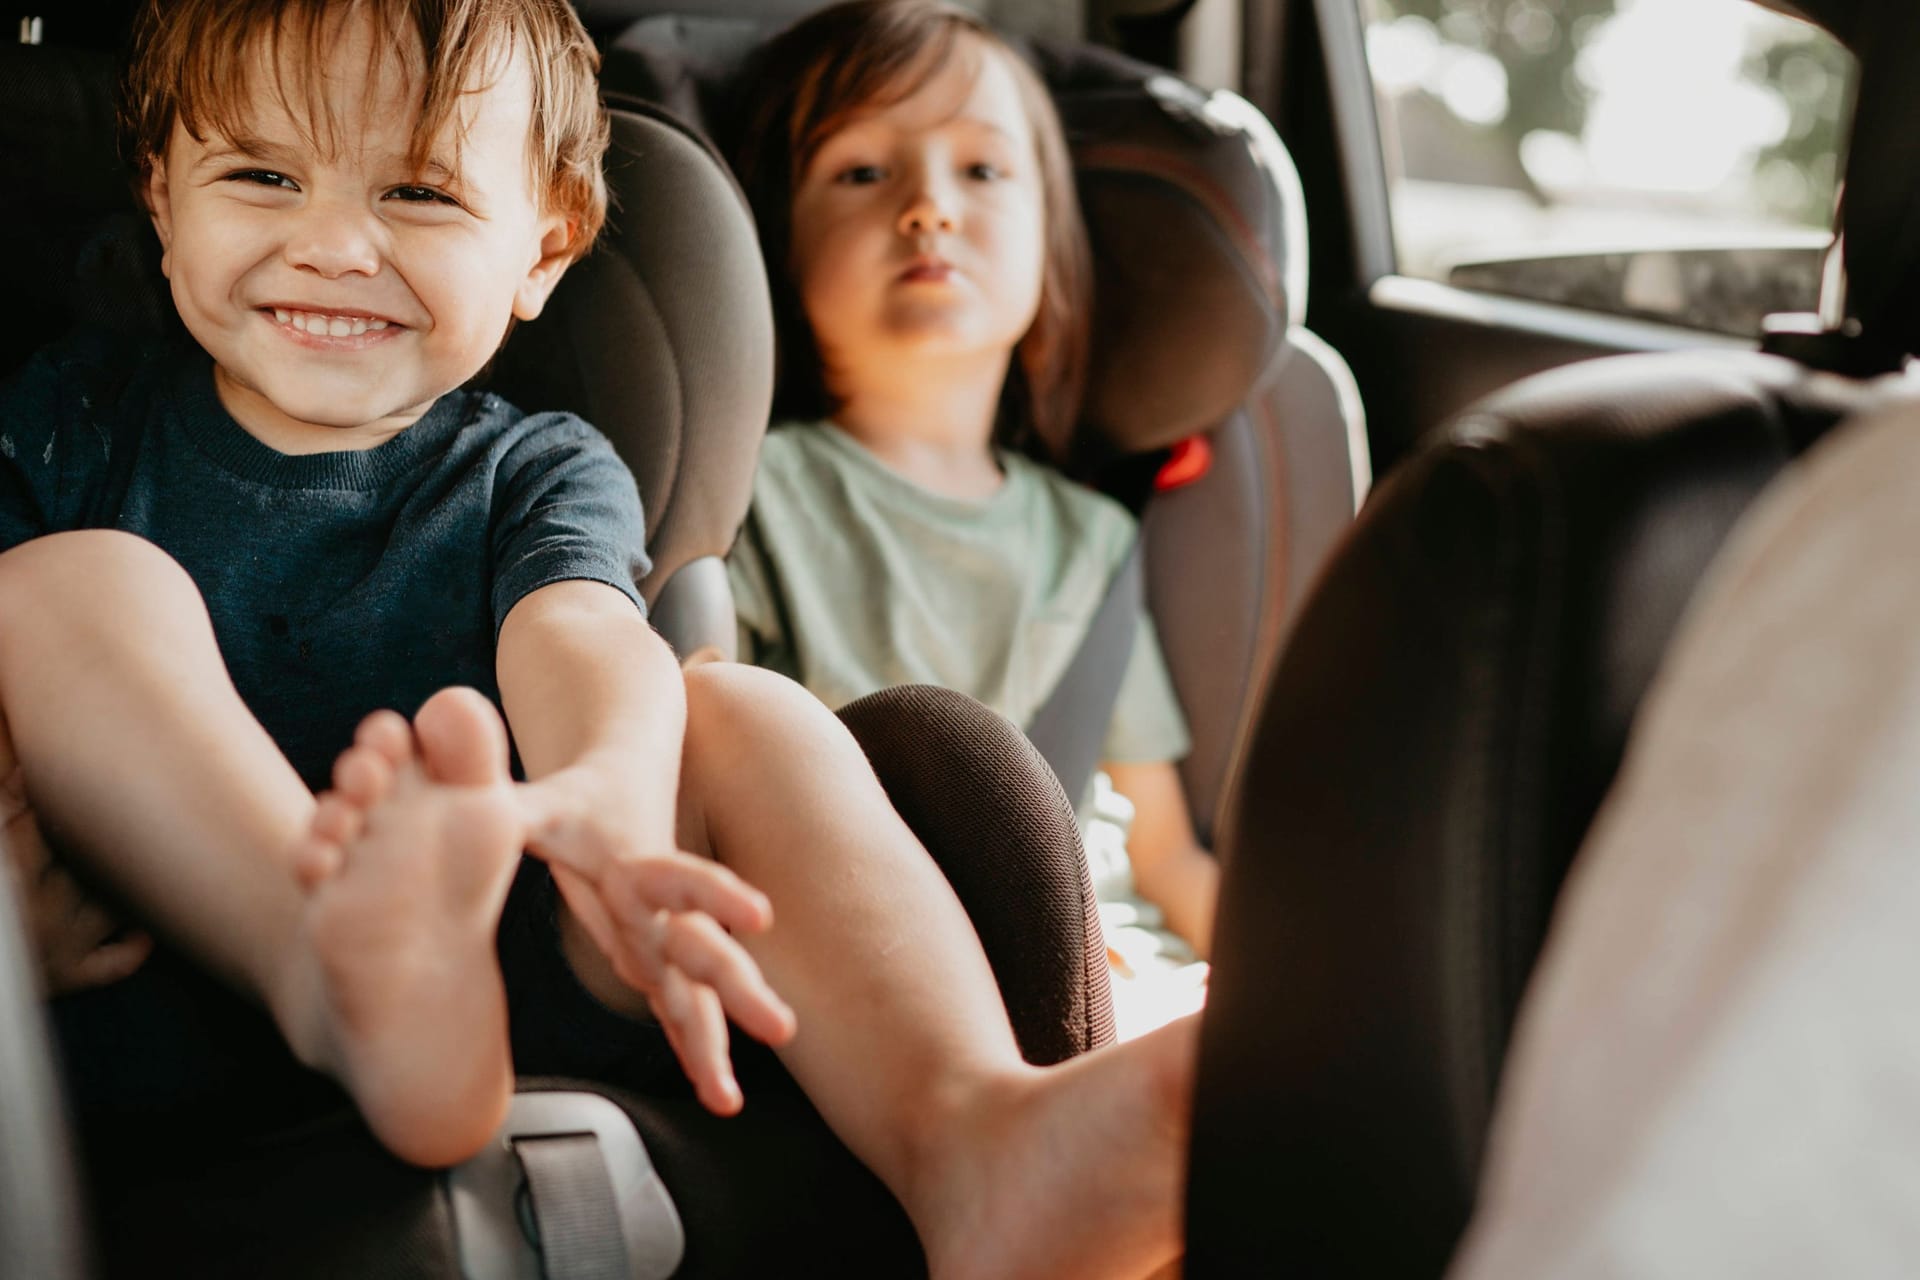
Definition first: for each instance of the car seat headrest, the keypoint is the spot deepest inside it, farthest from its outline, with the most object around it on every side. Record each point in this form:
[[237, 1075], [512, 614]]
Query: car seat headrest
[[662, 337], [82, 250], [1191, 202]]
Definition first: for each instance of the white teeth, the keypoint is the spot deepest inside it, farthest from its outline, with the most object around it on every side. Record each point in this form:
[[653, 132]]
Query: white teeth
[[327, 326]]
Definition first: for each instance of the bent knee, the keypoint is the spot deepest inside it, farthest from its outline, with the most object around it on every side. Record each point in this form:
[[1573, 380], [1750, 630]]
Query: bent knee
[[89, 571], [732, 707]]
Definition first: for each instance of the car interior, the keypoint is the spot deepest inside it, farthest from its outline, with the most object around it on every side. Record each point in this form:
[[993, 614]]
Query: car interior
[[1408, 698]]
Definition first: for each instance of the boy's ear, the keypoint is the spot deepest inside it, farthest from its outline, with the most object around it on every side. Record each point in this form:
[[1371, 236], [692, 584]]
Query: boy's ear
[[556, 254], [160, 209]]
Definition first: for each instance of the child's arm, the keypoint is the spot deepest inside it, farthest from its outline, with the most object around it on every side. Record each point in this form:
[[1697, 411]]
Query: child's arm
[[1170, 868], [597, 709]]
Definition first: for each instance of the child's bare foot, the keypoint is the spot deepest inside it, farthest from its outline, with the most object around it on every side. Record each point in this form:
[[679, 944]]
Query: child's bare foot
[[406, 869], [1077, 1172]]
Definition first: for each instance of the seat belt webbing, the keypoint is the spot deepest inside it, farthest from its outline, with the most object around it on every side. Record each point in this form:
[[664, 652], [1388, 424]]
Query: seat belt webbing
[[574, 1212], [1071, 724]]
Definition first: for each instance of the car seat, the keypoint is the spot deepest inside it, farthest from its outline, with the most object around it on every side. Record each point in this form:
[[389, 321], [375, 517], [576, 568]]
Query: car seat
[[664, 339], [1451, 710], [1198, 230]]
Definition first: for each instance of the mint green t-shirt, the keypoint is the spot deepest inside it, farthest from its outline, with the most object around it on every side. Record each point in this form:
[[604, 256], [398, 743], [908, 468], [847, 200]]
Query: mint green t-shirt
[[849, 578]]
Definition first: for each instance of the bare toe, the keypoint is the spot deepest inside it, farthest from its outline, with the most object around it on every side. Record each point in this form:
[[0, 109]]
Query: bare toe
[[362, 776], [462, 740], [387, 733], [336, 820], [315, 862]]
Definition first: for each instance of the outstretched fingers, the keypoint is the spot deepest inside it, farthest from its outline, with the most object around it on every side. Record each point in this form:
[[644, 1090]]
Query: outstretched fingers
[[662, 920], [694, 945], [636, 888], [696, 1027]]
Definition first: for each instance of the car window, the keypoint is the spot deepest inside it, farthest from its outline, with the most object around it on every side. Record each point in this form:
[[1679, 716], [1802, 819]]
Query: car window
[[1671, 159]]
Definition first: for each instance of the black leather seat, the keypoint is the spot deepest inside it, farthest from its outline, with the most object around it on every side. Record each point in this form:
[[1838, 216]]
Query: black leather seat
[[1451, 710]]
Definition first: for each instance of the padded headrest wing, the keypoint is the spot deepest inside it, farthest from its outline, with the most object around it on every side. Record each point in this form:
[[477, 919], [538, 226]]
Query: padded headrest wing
[[1191, 204], [1199, 243], [663, 339]]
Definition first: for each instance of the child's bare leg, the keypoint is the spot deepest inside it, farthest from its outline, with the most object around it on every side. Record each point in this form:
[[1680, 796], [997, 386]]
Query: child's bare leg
[[138, 754], [409, 865], [141, 758], [1007, 1170]]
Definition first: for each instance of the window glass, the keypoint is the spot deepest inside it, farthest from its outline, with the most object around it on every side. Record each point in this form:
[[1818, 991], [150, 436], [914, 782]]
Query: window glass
[[1676, 159]]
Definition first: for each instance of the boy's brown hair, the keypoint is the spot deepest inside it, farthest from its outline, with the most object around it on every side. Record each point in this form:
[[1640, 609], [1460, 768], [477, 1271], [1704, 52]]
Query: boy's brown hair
[[193, 61], [816, 76]]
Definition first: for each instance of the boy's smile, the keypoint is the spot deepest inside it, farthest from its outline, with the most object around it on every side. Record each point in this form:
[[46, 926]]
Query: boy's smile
[[340, 290]]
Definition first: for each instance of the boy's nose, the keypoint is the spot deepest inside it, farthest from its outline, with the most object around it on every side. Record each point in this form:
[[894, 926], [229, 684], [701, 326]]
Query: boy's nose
[[334, 243]]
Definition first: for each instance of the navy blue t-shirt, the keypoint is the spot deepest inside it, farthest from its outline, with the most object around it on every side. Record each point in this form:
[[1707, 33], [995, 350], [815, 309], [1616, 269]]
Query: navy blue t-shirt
[[337, 583]]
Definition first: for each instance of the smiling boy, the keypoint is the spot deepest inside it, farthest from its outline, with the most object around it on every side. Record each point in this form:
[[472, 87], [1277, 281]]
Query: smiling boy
[[353, 203]]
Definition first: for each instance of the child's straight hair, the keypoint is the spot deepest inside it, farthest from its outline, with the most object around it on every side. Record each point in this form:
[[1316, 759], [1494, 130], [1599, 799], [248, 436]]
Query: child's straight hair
[[818, 75], [205, 63]]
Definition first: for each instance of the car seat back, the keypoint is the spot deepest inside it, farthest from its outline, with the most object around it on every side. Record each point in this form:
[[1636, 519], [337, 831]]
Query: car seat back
[[1446, 721], [1198, 235]]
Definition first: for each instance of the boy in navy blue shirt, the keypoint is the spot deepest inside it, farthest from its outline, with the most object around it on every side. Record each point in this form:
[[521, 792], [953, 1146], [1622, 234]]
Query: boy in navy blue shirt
[[217, 565]]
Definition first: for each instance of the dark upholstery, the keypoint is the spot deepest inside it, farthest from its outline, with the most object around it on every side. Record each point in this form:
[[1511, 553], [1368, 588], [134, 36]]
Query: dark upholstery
[[1449, 714], [84, 252], [992, 815]]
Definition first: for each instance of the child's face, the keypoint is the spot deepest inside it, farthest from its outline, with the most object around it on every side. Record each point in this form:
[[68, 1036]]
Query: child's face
[[339, 291], [918, 228]]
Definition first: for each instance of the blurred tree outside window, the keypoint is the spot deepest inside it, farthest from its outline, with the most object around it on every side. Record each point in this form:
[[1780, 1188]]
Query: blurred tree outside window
[[1673, 159]]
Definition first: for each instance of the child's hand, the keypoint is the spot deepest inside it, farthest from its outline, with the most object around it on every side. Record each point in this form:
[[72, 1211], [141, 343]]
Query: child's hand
[[665, 922], [76, 942]]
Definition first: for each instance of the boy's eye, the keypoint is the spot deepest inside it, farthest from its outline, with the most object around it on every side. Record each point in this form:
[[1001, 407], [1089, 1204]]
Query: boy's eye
[[985, 172], [421, 195], [263, 178], [860, 175]]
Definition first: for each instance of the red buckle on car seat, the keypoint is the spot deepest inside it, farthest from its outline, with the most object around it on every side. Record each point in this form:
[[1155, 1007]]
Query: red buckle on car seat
[[1188, 461]]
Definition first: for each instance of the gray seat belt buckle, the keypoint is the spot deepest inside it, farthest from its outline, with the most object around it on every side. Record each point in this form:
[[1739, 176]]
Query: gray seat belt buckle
[[564, 1191]]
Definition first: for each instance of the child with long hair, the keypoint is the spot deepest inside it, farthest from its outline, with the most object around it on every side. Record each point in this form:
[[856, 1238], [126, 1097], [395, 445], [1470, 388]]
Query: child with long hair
[[930, 271]]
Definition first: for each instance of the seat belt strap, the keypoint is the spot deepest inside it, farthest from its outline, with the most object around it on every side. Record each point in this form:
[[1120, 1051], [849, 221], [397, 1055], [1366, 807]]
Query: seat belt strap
[[576, 1222], [565, 1191], [1071, 724]]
